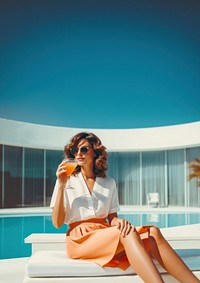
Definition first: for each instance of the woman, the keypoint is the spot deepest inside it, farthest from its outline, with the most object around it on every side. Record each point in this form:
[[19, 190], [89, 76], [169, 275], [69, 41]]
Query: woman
[[96, 232]]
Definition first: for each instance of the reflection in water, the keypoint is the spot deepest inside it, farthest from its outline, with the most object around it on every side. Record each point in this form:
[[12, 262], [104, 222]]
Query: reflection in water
[[153, 218]]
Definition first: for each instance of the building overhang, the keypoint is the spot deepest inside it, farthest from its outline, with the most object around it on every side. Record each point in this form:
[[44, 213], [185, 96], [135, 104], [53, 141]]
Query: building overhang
[[30, 135]]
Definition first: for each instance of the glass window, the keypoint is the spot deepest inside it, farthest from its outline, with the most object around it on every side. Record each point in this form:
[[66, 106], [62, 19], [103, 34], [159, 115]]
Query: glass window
[[193, 190], [176, 177], [34, 177], [27, 176], [53, 159], [153, 175], [12, 176], [124, 167]]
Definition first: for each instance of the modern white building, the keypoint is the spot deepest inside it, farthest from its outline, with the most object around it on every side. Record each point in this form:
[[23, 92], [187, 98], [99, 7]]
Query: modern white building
[[140, 160]]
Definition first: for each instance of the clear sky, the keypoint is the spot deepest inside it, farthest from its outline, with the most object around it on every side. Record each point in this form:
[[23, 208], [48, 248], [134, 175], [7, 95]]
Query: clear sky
[[100, 63]]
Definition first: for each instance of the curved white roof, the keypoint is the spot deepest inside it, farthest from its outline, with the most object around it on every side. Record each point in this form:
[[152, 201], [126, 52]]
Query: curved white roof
[[145, 139]]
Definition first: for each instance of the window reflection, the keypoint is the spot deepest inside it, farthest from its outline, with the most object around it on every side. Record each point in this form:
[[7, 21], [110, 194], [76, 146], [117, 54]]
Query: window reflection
[[53, 158], [12, 176], [34, 177]]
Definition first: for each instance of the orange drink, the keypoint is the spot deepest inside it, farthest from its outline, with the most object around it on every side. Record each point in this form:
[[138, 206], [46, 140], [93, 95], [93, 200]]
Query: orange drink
[[70, 167]]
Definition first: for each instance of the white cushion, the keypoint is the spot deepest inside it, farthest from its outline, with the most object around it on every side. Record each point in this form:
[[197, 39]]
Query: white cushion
[[56, 264]]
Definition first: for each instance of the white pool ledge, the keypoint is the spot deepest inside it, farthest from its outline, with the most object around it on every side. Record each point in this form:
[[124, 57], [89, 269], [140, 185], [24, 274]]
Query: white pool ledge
[[187, 237]]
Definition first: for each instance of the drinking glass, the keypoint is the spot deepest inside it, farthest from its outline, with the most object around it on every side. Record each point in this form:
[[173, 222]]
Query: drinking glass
[[70, 165]]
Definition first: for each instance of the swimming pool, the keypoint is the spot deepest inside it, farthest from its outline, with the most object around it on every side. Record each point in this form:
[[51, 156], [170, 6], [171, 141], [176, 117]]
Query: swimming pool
[[15, 228]]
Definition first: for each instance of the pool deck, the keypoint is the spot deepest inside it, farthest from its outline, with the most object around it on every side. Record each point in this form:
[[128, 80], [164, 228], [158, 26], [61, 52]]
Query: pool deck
[[12, 270], [124, 208]]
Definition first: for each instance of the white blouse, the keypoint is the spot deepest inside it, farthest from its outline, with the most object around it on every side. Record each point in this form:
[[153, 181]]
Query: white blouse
[[80, 204]]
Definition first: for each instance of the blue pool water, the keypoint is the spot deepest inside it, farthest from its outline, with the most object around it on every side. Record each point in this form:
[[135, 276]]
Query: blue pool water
[[14, 229]]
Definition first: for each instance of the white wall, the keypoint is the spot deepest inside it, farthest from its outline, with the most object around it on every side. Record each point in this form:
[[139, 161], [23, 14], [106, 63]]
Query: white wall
[[144, 139]]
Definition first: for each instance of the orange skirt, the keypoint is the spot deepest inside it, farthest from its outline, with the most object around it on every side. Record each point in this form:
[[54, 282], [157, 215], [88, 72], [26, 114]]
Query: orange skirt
[[95, 240]]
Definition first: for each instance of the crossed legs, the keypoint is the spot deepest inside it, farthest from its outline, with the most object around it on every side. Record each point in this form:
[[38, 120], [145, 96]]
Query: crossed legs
[[143, 264]]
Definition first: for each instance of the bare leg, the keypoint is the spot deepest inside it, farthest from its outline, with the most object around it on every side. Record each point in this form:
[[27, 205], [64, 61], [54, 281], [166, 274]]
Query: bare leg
[[167, 257], [140, 261]]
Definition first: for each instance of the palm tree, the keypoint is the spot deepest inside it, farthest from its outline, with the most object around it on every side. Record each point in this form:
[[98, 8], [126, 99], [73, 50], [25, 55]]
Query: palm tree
[[194, 166]]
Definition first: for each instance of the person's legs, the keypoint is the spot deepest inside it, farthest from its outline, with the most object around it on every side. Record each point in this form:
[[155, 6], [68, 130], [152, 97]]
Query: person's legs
[[167, 257], [138, 258]]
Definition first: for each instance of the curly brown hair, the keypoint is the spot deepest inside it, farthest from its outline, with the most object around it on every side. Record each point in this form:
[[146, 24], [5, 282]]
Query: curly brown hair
[[101, 158]]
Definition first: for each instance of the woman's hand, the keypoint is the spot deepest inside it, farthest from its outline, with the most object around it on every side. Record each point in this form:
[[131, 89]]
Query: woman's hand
[[61, 174], [123, 225]]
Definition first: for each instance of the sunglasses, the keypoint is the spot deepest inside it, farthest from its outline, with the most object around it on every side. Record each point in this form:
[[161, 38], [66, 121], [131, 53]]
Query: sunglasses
[[74, 150]]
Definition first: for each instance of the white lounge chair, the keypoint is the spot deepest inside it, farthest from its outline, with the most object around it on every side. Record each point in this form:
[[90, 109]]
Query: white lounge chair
[[54, 266], [49, 264], [153, 199]]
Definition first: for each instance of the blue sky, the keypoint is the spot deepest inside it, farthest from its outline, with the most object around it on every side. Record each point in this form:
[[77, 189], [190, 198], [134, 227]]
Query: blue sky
[[100, 64]]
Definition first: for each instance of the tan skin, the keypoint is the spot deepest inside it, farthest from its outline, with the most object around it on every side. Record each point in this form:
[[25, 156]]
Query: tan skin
[[129, 237]]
